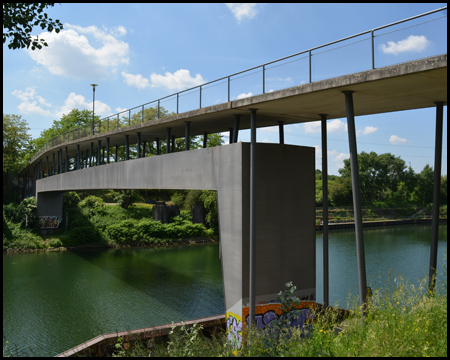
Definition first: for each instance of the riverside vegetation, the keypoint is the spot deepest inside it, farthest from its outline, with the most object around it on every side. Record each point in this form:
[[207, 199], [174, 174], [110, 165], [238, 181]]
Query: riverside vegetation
[[402, 319], [93, 223]]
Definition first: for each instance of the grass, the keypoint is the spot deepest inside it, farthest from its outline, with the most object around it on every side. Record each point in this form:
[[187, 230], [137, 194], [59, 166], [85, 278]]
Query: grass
[[402, 320]]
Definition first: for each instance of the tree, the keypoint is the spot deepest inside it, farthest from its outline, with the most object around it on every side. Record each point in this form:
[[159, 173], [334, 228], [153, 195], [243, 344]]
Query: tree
[[425, 183], [340, 191], [15, 143], [19, 20], [379, 175]]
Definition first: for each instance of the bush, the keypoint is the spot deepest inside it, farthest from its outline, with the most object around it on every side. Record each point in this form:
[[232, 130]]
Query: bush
[[82, 235], [70, 199], [54, 243]]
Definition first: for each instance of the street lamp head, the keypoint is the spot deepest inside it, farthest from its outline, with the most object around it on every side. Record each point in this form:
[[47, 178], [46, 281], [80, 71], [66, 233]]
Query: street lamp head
[[94, 85]]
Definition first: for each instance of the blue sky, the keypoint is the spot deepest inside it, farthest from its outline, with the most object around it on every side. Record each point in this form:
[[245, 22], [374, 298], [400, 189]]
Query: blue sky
[[137, 53]]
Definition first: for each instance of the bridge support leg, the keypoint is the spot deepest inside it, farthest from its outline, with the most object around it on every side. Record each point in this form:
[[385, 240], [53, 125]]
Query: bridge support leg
[[67, 161], [187, 135], [127, 147], [231, 135], [326, 282], [281, 131], [252, 217], [143, 148], [50, 209], [436, 192], [237, 117], [205, 140], [41, 171], [138, 145], [356, 200], [48, 174], [158, 147], [53, 164], [77, 166], [168, 140], [173, 144], [91, 154], [99, 152], [107, 150], [117, 153]]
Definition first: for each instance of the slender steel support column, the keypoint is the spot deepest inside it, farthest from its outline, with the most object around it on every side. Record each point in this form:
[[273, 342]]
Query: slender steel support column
[[231, 135], [143, 148], [57, 170], [103, 155], [158, 147], [356, 200], [127, 147], [99, 152], [138, 145], [77, 166], [61, 161], [173, 143], [237, 117], [205, 140], [67, 160], [91, 154], [47, 168], [436, 191], [41, 171], [187, 134], [252, 216], [281, 131], [326, 281], [117, 153], [107, 150], [168, 141], [53, 164], [82, 159]]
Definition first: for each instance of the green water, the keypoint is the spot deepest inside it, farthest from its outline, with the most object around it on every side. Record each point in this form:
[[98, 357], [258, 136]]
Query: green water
[[55, 301]]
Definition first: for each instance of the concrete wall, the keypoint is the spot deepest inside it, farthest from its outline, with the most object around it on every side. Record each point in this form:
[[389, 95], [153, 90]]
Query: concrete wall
[[285, 209]]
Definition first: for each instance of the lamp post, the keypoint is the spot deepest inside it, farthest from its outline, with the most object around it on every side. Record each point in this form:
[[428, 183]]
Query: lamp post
[[93, 107]]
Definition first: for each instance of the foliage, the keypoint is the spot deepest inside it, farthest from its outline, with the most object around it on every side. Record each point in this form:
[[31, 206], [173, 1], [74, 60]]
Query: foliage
[[70, 199], [18, 213], [19, 19], [15, 143], [185, 340], [209, 198], [340, 191], [423, 192]]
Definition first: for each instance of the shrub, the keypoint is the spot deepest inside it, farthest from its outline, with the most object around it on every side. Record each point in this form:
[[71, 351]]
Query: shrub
[[70, 199], [82, 235], [54, 243], [122, 232]]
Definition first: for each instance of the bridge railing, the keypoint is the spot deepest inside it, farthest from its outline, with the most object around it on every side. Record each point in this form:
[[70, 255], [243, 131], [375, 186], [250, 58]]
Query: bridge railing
[[414, 38]]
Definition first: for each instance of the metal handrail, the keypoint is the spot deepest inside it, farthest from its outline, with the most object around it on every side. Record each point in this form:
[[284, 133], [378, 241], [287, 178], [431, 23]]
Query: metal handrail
[[309, 51]]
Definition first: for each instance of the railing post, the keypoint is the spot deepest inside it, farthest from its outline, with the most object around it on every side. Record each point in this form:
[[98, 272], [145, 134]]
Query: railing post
[[310, 76], [107, 124], [129, 117], [200, 97], [264, 79], [373, 51], [158, 109], [142, 113], [177, 101]]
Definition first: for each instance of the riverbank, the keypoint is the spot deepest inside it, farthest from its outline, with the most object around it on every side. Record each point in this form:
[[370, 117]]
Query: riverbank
[[187, 241], [380, 223], [402, 322]]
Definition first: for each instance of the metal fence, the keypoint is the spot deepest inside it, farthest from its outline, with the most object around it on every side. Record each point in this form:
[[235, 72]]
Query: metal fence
[[415, 38]]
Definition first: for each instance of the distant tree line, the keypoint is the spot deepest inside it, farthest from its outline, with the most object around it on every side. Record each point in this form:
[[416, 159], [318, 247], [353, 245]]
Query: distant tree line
[[385, 180]]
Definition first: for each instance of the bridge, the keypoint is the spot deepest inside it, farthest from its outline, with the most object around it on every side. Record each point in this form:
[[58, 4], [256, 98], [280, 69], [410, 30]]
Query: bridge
[[254, 181]]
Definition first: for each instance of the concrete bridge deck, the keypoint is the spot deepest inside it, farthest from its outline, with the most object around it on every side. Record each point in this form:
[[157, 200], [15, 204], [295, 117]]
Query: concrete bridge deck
[[412, 85]]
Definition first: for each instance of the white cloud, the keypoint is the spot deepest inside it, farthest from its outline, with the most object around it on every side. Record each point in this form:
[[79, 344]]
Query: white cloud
[[367, 130], [266, 141], [395, 140], [412, 43], [119, 109], [332, 126], [135, 80], [179, 80], [241, 10], [72, 54], [30, 99], [244, 95], [270, 129]]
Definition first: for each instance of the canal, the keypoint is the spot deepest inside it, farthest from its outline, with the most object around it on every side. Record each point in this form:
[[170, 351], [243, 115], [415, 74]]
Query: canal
[[54, 301]]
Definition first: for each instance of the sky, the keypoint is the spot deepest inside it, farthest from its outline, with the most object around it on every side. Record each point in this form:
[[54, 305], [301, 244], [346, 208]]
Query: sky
[[138, 53]]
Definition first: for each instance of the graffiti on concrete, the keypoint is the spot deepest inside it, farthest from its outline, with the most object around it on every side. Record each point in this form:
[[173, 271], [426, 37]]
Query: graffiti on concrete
[[234, 329], [268, 313], [49, 222]]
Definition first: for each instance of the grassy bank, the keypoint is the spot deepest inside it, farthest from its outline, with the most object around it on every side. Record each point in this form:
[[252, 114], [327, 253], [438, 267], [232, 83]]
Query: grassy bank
[[92, 223], [402, 320]]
